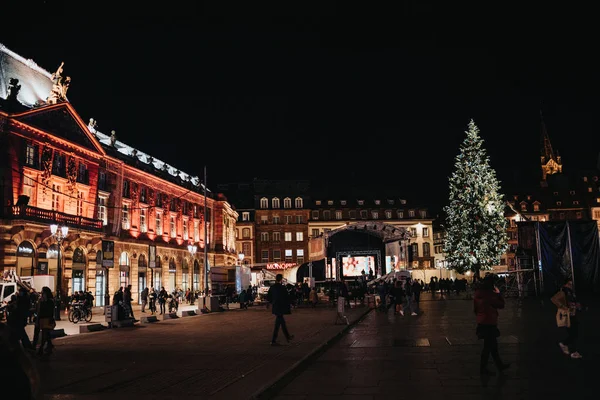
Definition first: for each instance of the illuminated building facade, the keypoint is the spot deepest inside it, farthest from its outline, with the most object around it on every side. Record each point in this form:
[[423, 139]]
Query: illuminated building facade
[[57, 169]]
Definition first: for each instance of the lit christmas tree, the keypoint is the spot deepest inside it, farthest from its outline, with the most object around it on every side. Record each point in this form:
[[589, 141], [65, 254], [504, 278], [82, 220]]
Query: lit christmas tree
[[475, 223]]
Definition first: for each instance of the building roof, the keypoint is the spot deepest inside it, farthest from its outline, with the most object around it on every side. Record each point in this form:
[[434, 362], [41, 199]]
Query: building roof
[[36, 82]]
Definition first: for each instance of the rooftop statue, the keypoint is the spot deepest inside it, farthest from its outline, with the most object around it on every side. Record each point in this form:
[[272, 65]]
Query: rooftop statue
[[60, 85], [13, 89]]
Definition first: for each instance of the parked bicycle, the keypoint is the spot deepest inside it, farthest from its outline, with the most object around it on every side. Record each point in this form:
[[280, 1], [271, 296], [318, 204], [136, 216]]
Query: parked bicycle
[[79, 312]]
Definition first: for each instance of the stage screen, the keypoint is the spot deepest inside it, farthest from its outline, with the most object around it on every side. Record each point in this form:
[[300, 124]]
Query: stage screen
[[353, 266]]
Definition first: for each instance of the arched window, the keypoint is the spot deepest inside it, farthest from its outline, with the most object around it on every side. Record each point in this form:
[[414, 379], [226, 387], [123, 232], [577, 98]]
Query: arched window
[[275, 202], [142, 263], [196, 278], [25, 259], [264, 203], [79, 256], [287, 203], [299, 203], [124, 270]]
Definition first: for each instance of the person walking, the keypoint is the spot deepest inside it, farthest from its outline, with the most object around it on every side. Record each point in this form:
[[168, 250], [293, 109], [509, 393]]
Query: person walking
[[566, 301], [144, 299], [486, 303], [280, 301], [398, 293]]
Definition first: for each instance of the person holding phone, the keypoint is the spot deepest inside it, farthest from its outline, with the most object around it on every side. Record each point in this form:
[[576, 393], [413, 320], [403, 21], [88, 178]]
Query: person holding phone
[[486, 303]]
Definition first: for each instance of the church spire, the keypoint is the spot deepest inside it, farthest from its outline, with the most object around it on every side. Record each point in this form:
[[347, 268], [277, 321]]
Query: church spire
[[551, 163]]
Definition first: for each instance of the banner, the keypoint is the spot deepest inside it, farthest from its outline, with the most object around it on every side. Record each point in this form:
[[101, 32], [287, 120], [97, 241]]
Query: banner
[[316, 249], [108, 253], [152, 256]]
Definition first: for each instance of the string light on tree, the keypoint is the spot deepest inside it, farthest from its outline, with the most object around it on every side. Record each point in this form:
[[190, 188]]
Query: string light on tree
[[475, 223]]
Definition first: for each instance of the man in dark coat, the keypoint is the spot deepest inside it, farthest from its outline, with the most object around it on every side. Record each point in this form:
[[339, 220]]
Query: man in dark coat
[[280, 301]]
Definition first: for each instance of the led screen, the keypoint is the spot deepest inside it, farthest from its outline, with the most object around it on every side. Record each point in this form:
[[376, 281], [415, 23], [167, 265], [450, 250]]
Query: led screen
[[353, 266]]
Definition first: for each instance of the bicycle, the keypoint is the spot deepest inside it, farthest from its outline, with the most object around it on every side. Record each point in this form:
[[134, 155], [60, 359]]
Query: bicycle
[[79, 312]]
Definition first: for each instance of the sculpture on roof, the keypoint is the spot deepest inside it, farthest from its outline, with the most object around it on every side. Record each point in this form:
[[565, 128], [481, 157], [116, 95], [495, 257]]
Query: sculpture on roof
[[13, 89], [92, 125], [113, 138], [60, 85]]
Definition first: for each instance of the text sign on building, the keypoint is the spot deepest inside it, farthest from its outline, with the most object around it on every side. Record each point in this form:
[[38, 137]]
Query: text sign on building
[[152, 256], [108, 253], [316, 249], [280, 266]]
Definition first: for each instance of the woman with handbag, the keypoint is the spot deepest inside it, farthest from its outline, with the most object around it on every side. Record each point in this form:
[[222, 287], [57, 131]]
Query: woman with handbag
[[486, 303], [567, 304], [45, 312]]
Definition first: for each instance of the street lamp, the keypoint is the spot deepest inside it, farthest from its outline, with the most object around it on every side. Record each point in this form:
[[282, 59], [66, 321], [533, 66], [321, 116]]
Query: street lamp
[[192, 249], [60, 235], [241, 257]]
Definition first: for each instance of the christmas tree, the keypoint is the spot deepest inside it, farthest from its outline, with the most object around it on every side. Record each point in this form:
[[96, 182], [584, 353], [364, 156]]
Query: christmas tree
[[475, 223]]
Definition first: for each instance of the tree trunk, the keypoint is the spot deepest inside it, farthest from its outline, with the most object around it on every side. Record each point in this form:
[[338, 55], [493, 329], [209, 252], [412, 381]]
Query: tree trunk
[[476, 275]]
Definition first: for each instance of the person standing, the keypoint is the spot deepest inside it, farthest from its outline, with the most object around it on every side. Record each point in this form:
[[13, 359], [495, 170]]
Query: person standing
[[398, 293], [162, 299], [144, 299], [566, 301], [45, 315], [152, 297], [486, 303], [280, 300], [416, 290]]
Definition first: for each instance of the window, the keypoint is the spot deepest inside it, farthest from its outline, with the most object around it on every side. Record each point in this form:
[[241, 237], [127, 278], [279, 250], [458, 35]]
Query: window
[[143, 224], [246, 233], [125, 218], [400, 214], [30, 155], [264, 236], [363, 214], [185, 229], [352, 214], [423, 214], [377, 202], [426, 249], [126, 188], [575, 202], [79, 203], [56, 197], [102, 181], [343, 202], [361, 202], [159, 200], [326, 215], [143, 195], [315, 214], [172, 226], [375, 214], [415, 250], [318, 202], [287, 236], [413, 232], [299, 236], [276, 255], [287, 203], [390, 202], [276, 220], [288, 255], [277, 237], [185, 207], [298, 219], [246, 249], [299, 202], [572, 192], [523, 207], [562, 215], [28, 186], [585, 178], [536, 207], [245, 216], [82, 174], [425, 232], [388, 214], [264, 219], [102, 215], [411, 213], [299, 256], [264, 203], [559, 203], [173, 204], [338, 214], [159, 224], [315, 232], [288, 219], [590, 189], [275, 203], [197, 231], [596, 214]]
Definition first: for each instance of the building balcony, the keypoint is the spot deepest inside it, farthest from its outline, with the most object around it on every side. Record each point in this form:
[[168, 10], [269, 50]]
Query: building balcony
[[44, 216]]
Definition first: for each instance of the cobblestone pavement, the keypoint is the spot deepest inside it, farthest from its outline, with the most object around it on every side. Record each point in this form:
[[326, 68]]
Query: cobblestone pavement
[[436, 356], [223, 355]]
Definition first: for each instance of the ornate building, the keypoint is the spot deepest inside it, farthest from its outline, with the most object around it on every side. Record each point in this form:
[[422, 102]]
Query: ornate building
[[56, 169]]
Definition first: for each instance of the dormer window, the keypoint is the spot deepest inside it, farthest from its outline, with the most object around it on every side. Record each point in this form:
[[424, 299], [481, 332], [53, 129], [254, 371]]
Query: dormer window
[[287, 203], [585, 178], [275, 202], [317, 202], [403, 201], [329, 202], [559, 203], [377, 202], [343, 202], [361, 202], [390, 202], [523, 207], [572, 192], [299, 202], [555, 193], [576, 203], [536, 207], [264, 203]]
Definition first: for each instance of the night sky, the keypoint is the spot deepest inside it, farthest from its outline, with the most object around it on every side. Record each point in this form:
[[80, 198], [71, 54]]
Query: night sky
[[370, 96]]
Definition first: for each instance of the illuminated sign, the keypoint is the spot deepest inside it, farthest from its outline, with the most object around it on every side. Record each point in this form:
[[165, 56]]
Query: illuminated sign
[[280, 266]]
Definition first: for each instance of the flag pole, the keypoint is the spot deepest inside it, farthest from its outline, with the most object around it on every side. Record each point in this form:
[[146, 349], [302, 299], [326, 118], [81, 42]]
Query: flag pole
[[205, 308]]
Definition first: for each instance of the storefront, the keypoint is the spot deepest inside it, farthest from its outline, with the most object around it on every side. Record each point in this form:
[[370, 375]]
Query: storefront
[[185, 275], [100, 282], [25, 259], [142, 280], [172, 275], [124, 270], [78, 271]]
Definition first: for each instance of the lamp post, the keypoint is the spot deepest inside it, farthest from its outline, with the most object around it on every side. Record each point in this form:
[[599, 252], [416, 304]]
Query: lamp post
[[192, 249], [241, 257], [60, 235]]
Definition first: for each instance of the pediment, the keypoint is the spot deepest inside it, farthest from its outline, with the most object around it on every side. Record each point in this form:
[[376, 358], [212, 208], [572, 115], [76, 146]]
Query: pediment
[[61, 121]]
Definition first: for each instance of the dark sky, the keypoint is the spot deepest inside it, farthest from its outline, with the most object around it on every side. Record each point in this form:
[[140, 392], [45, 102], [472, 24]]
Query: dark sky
[[336, 95]]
